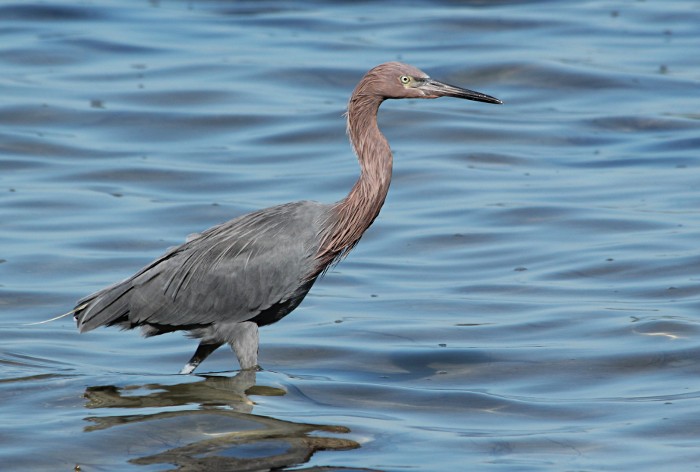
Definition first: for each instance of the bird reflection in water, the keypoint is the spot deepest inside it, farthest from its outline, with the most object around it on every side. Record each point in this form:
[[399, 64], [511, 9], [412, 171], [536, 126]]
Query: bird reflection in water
[[206, 425]]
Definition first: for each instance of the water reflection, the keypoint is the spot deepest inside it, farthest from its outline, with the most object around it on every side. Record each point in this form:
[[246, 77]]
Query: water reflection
[[206, 425], [211, 391]]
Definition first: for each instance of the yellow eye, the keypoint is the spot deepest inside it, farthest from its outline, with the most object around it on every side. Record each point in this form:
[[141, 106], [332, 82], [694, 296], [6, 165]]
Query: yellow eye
[[405, 79]]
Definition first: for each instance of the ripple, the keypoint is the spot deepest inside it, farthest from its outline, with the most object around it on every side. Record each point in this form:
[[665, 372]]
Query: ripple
[[50, 13]]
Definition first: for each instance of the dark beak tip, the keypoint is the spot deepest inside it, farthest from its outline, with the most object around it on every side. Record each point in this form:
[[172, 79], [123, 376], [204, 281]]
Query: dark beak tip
[[488, 99]]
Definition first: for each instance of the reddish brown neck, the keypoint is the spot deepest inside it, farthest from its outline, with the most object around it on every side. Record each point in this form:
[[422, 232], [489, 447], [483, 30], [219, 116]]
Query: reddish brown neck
[[352, 215]]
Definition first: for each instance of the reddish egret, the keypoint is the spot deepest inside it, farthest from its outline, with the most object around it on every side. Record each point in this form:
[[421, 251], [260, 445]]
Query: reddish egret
[[224, 283]]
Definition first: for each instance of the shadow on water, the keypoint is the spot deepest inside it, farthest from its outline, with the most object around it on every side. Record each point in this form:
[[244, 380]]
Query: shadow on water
[[208, 426]]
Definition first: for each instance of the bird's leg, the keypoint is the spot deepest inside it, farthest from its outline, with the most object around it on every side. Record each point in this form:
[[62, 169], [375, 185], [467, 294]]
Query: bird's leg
[[244, 343], [202, 352]]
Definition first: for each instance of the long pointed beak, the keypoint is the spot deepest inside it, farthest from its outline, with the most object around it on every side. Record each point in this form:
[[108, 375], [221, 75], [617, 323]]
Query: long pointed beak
[[434, 89]]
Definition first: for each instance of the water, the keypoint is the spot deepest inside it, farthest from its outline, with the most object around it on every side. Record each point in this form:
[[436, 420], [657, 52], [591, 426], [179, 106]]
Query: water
[[528, 299]]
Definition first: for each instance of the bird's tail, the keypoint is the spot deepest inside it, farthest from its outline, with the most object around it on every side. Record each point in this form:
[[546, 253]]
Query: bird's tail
[[104, 308]]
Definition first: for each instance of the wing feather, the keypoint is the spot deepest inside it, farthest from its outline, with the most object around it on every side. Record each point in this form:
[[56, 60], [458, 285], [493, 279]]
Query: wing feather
[[230, 272]]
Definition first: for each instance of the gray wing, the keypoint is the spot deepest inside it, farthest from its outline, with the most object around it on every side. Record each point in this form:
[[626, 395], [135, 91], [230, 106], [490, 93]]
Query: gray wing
[[230, 272]]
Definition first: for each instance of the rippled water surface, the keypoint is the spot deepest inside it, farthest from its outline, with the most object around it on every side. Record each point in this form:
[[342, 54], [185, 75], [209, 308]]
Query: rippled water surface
[[528, 299]]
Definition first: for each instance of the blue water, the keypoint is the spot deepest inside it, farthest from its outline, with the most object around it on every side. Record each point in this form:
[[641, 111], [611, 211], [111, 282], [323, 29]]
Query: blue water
[[528, 299]]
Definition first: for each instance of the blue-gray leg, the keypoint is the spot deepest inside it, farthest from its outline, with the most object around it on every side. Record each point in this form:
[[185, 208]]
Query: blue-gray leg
[[244, 343], [202, 352], [242, 337]]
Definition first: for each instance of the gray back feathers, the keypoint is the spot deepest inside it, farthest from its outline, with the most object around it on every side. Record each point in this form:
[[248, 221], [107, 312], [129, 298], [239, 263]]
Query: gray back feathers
[[231, 272]]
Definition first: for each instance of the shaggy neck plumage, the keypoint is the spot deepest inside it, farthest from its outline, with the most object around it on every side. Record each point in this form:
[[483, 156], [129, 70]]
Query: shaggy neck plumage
[[352, 215]]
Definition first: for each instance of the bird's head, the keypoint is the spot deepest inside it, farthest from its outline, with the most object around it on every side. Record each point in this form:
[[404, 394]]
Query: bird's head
[[398, 80]]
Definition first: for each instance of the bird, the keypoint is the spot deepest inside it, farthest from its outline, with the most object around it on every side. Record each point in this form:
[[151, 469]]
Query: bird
[[221, 285]]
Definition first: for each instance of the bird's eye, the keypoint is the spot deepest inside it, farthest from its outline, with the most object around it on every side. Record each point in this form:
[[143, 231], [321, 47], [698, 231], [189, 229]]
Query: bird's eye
[[405, 79]]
